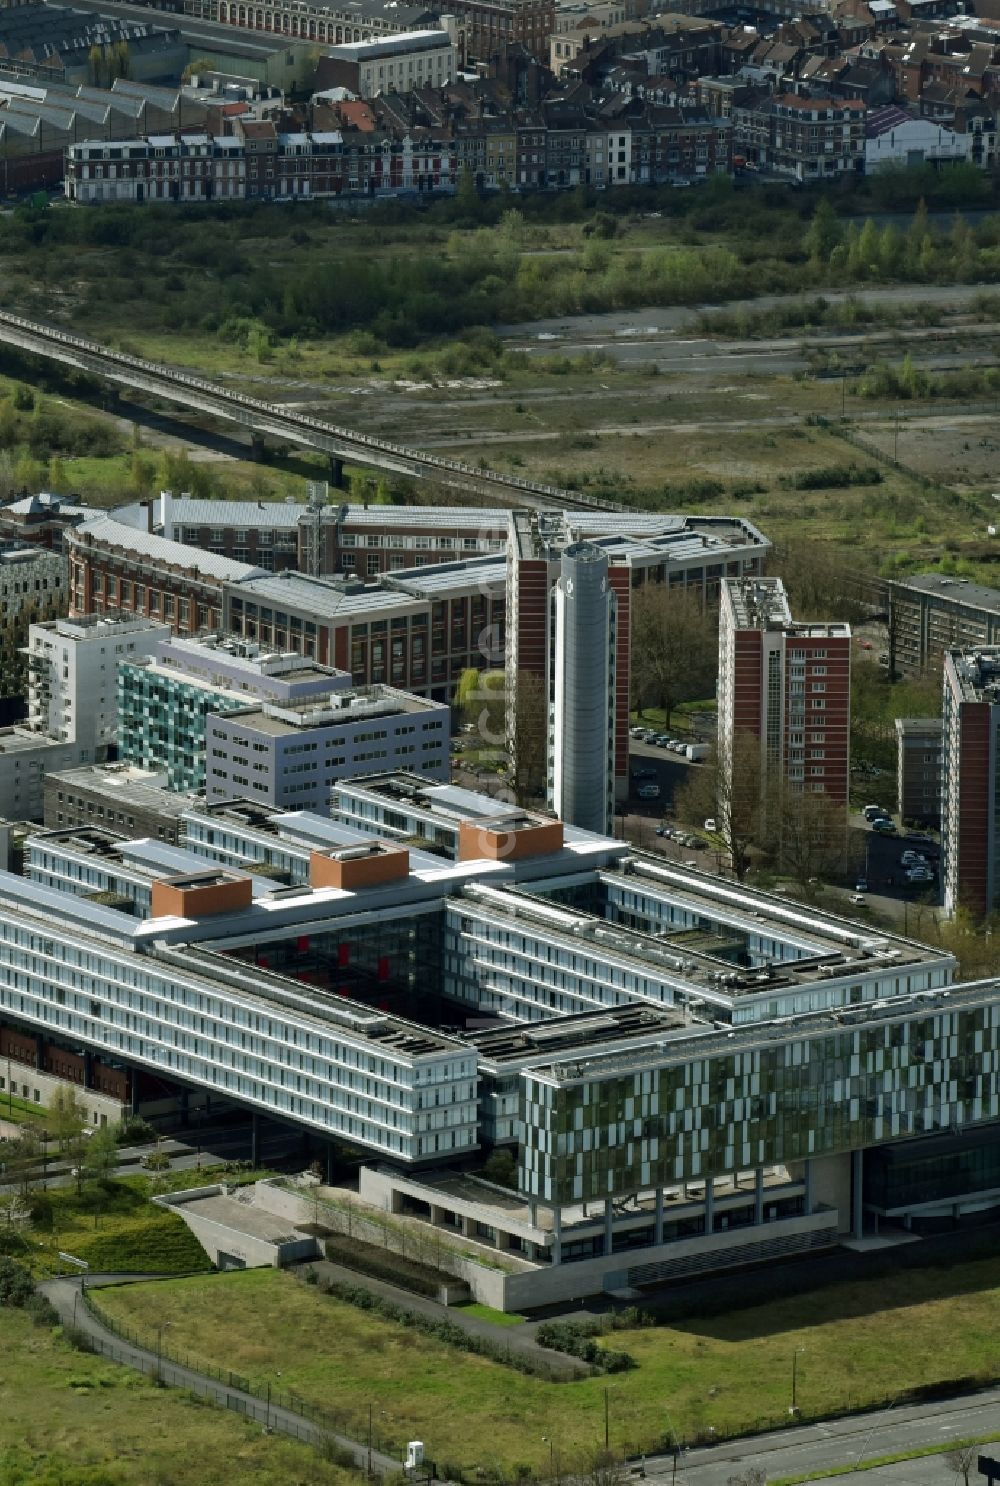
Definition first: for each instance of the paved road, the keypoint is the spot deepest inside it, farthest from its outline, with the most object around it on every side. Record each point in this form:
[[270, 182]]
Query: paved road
[[64, 1295], [838, 1442]]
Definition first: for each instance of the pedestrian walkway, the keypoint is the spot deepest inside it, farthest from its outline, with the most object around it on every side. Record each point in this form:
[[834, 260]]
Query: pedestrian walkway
[[65, 1294]]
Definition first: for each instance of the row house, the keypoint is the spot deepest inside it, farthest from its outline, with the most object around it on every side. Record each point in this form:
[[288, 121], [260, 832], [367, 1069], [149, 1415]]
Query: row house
[[806, 138], [312, 20], [488, 150], [163, 167], [283, 167]]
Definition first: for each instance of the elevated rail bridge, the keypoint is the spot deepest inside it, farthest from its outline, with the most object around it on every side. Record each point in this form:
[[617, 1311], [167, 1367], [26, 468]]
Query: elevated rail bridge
[[260, 419]]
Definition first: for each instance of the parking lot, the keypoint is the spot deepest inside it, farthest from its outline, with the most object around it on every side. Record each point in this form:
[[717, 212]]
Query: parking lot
[[883, 869]]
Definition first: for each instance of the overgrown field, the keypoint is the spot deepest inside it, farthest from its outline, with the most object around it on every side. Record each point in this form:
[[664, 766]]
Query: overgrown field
[[859, 1342], [71, 1419]]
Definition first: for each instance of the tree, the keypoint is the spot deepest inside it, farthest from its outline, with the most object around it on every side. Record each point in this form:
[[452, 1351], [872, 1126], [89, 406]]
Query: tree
[[674, 645], [807, 835], [501, 1168], [101, 1157], [67, 1116], [752, 1476], [604, 1468], [195, 68], [822, 581], [21, 1157], [728, 787], [823, 233], [962, 1461]]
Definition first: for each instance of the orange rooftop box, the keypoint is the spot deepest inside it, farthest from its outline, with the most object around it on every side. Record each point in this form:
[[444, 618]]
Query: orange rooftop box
[[372, 864], [197, 894], [509, 838]]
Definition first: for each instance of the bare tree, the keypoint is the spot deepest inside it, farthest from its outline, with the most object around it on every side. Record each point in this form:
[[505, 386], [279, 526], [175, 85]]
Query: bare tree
[[674, 647], [752, 1476], [729, 789], [807, 835], [604, 1468], [962, 1461]]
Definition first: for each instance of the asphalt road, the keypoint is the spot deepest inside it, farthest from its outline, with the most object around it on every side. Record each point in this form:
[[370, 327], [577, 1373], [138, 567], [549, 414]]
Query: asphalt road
[[839, 1442]]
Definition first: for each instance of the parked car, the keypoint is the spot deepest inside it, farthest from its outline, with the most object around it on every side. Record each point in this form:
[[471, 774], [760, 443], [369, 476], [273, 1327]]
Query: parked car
[[871, 812], [710, 825], [644, 773], [664, 831], [884, 826], [861, 886], [857, 897], [649, 792]]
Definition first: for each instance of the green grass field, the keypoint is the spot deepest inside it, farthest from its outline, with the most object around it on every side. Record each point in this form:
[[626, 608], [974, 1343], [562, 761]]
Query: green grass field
[[70, 1419], [114, 1226], [857, 1344]]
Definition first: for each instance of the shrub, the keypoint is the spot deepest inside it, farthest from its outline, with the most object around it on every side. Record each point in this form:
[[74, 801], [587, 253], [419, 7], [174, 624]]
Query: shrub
[[16, 1285], [445, 1331], [134, 1130], [577, 1339]]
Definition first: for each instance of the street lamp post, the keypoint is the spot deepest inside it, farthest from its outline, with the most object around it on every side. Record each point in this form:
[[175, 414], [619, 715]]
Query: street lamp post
[[369, 1437], [546, 1440], [606, 1429], [795, 1378]]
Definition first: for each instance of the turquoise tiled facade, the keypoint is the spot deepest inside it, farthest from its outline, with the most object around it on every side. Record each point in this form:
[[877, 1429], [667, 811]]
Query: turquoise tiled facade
[[161, 723]]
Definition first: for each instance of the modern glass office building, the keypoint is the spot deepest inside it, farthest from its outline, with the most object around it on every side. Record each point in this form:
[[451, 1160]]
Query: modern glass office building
[[692, 1073]]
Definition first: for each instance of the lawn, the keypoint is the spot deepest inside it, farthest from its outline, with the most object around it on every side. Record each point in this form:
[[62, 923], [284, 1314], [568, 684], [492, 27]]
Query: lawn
[[487, 1313], [114, 1226], [857, 1344], [78, 1420]]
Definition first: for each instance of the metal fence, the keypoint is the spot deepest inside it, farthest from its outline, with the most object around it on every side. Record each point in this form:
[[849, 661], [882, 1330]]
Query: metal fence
[[278, 1408]]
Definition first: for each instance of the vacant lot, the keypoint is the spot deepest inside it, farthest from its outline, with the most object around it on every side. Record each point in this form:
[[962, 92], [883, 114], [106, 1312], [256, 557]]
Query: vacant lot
[[856, 1343], [69, 1418]]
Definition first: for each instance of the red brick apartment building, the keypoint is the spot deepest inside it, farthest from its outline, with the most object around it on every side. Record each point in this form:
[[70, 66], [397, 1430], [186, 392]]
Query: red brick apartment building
[[787, 683], [681, 551]]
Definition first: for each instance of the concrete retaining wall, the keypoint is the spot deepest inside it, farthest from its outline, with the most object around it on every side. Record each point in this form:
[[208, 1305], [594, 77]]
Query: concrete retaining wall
[[41, 1088], [485, 1284]]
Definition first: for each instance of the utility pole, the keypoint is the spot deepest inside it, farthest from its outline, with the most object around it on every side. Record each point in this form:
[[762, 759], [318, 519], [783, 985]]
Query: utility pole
[[606, 1434], [369, 1437]]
